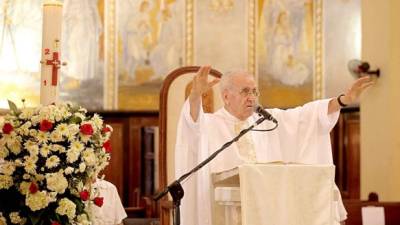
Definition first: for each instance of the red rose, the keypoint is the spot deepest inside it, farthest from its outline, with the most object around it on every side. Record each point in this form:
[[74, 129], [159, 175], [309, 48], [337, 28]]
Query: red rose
[[106, 129], [84, 195], [33, 188], [87, 129], [98, 201], [55, 223], [45, 125], [107, 146], [7, 128]]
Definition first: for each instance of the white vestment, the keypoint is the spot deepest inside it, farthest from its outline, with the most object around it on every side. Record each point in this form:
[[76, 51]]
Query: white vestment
[[112, 212], [301, 137]]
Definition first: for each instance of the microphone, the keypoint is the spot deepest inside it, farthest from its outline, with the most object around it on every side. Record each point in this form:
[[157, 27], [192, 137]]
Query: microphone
[[262, 112]]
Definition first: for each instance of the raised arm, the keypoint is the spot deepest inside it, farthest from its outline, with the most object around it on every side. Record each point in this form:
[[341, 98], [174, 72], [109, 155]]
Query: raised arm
[[351, 95], [200, 86]]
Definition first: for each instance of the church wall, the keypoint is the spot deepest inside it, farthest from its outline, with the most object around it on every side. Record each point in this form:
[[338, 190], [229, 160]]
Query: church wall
[[380, 108], [342, 42]]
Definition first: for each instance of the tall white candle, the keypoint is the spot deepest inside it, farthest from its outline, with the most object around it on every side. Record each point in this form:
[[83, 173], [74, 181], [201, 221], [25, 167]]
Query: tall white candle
[[51, 40]]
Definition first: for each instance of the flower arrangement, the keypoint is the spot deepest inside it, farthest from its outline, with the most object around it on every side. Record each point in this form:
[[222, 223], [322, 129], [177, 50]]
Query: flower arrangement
[[51, 154]]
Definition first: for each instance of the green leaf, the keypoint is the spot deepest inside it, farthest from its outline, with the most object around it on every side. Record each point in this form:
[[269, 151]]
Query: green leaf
[[34, 219], [75, 120], [13, 107]]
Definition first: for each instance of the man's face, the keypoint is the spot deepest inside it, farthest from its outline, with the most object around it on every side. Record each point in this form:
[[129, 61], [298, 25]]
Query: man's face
[[241, 98]]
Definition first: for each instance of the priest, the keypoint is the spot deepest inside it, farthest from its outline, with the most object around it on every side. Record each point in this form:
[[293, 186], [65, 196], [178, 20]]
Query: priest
[[301, 137]]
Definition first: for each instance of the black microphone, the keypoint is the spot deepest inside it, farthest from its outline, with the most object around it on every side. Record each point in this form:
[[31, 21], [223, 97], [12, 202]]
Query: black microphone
[[262, 112]]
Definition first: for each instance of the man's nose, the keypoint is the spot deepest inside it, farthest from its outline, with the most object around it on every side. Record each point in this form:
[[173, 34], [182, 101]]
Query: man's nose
[[252, 96]]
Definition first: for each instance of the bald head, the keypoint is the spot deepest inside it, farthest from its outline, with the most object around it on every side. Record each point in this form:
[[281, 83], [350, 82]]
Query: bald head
[[237, 92], [227, 80]]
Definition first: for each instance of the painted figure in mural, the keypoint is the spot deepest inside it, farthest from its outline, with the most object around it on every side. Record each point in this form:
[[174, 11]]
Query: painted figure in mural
[[149, 39], [80, 40], [222, 5], [19, 55], [290, 53], [20, 19], [285, 67]]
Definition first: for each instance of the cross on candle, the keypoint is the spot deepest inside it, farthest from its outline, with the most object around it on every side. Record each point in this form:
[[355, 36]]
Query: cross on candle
[[55, 63]]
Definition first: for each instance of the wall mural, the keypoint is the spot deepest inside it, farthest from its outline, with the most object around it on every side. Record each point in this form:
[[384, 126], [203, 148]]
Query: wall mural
[[82, 80], [150, 36], [286, 50], [19, 55], [20, 49], [119, 51]]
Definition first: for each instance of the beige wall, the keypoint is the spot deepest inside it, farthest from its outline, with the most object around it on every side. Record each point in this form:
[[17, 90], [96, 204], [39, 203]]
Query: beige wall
[[380, 106]]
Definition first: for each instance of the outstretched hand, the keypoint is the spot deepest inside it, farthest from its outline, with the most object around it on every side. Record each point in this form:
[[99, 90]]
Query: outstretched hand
[[201, 83], [354, 92], [200, 86]]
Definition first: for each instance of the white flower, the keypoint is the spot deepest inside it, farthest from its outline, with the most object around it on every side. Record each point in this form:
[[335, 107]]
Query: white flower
[[73, 129], [79, 115], [3, 220], [82, 219], [27, 124], [24, 187], [14, 145], [76, 145], [62, 129], [6, 181], [66, 207], [97, 121], [35, 120], [52, 162], [72, 155], [32, 147], [16, 219], [56, 136], [57, 148], [26, 113], [24, 129], [56, 182], [68, 170], [42, 137], [30, 165], [82, 167], [82, 110], [89, 157], [26, 176], [18, 162], [44, 150], [7, 168], [39, 177], [37, 201], [3, 152], [33, 132], [85, 138]]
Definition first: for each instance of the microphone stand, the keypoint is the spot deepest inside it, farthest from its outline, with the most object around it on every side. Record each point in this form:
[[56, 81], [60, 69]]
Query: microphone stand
[[175, 188]]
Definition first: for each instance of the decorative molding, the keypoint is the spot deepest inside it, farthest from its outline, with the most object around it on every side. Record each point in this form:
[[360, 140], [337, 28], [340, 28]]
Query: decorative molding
[[189, 32], [318, 85], [110, 46], [252, 14]]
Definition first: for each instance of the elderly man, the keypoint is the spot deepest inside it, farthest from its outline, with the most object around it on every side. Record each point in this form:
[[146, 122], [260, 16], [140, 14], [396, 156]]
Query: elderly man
[[301, 137]]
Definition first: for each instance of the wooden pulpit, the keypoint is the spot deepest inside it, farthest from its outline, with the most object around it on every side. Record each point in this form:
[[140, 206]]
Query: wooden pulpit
[[274, 194]]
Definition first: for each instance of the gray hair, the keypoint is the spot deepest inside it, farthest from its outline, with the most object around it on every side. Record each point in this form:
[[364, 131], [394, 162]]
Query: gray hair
[[226, 82]]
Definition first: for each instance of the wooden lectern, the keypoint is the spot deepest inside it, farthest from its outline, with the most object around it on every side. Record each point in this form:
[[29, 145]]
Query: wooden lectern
[[274, 194]]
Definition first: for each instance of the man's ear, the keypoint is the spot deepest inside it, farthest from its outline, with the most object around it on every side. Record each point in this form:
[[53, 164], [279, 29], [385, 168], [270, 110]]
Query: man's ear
[[225, 97]]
